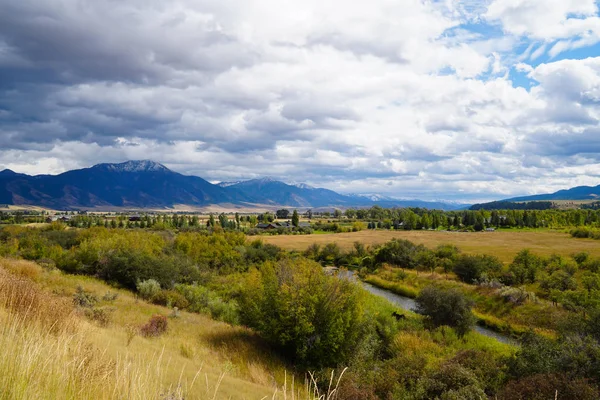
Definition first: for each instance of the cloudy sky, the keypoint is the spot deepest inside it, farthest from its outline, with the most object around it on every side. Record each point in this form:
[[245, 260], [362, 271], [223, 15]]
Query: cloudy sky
[[445, 99]]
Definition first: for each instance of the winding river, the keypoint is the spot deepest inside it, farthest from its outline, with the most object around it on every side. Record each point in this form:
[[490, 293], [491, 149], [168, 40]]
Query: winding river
[[408, 304]]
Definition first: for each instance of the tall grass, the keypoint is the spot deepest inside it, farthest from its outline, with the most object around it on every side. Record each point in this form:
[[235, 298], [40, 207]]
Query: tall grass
[[50, 351], [45, 353], [395, 287]]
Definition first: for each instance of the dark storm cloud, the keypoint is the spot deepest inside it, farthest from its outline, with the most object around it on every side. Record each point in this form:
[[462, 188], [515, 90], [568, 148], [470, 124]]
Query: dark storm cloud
[[114, 41], [50, 49]]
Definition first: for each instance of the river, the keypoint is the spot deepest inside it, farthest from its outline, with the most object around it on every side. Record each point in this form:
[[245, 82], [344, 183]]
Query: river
[[409, 304]]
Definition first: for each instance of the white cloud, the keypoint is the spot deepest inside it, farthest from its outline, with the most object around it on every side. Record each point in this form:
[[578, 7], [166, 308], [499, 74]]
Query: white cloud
[[544, 19], [386, 96]]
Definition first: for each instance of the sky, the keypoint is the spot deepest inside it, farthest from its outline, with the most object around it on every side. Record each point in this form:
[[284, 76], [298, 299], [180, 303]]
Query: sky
[[456, 100]]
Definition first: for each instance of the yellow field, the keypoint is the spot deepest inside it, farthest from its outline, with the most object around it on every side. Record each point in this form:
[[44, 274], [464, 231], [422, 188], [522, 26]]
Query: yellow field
[[502, 244]]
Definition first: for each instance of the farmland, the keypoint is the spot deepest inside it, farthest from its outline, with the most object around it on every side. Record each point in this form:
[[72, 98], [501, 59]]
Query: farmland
[[502, 244]]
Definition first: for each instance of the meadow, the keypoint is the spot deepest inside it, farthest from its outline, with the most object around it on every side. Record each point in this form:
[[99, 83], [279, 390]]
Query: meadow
[[504, 244], [247, 318]]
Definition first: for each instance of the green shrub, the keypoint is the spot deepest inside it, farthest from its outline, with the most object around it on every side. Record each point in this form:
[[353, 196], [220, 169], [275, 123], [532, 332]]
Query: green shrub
[[402, 253], [313, 318], [559, 280], [446, 307], [83, 298], [204, 300], [470, 268], [487, 367], [523, 269], [454, 382], [170, 298], [148, 289]]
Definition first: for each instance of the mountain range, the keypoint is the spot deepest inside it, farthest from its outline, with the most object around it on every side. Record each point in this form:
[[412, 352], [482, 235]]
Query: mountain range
[[148, 184], [576, 193]]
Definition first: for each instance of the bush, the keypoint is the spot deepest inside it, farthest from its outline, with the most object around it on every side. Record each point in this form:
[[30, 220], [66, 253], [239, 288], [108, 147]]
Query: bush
[[581, 258], [102, 315], [559, 280], [453, 381], [523, 269], [170, 298], [109, 296], [156, 326], [446, 307], [330, 254], [204, 300], [148, 289], [471, 268], [313, 318], [402, 253], [487, 368], [548, 386], [584, 233], [516, 295], [83, 298]]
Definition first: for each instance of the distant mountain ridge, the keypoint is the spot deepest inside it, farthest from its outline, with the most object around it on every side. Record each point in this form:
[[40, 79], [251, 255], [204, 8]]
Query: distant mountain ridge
[[148, 184], [575, 193], [272, 192], [543, 201]]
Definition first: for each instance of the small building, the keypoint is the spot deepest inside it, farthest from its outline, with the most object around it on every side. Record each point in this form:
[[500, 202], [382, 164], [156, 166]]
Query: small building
[[270, 225], [59, 218]]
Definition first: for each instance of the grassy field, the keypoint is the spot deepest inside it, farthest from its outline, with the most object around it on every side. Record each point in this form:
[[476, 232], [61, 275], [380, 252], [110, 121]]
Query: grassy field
[[502, 244], [50, 350]]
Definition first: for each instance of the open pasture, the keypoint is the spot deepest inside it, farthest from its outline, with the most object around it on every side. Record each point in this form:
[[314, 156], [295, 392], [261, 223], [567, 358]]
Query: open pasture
[[502, 244]]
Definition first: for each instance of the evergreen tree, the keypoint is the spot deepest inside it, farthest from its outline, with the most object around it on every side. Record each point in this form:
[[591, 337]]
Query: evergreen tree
[[295, 218]]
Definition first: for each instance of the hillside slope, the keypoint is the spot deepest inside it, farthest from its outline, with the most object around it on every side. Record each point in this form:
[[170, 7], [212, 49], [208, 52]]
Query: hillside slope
[[197, 358]]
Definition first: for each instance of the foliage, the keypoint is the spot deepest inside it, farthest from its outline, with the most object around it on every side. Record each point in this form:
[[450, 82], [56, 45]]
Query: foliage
[[470, 268], [446, 307], [203, 300], [399, 252], [313, 318], [156, 326], [453, 381], [549, 386], [523, 269], [148, 289], [585, 233], [83, 298], [102, 315], [171, 299], [516, 295]]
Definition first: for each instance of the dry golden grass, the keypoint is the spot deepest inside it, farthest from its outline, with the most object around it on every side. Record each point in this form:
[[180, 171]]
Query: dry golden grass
[[502, 244], [49, 351]]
